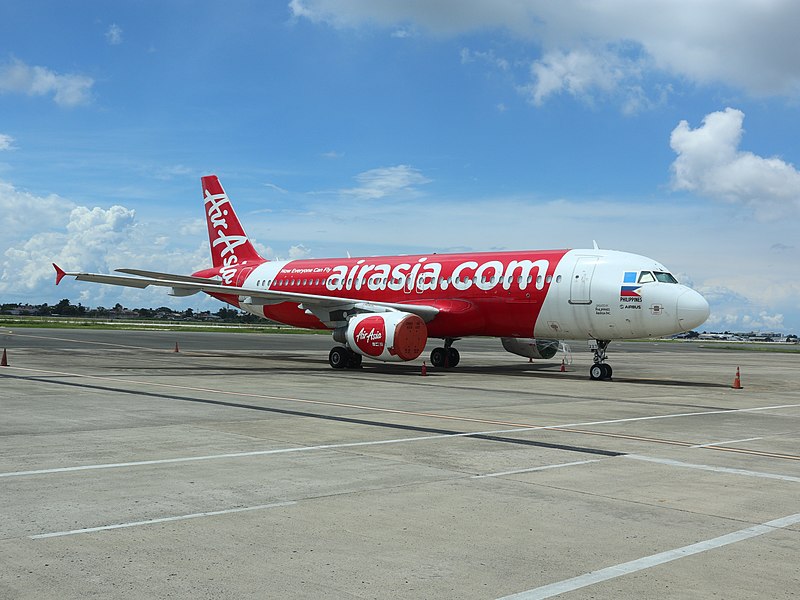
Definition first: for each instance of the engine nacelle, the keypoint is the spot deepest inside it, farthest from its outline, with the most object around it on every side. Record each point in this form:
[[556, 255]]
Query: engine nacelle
[[531, 348], [389, 336]]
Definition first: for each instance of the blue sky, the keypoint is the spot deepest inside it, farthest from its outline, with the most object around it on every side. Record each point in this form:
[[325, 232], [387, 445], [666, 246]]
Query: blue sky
[[666, 128]]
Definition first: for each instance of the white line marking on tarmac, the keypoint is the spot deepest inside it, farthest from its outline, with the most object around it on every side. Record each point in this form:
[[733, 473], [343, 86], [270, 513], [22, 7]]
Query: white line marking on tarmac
[[582, 581], [709, 444], [214, 513], [59, 339], [519, 426], [543, 468], [677, 463], [165, 461]]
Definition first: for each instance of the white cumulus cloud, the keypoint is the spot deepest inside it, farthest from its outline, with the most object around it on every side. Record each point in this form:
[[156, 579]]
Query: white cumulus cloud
[[741, 43], [6, 142], [584, 73], [299, 251], [114, 34], [710, 163], [82, 243], [386, 181], [17, 206], [67, 90]]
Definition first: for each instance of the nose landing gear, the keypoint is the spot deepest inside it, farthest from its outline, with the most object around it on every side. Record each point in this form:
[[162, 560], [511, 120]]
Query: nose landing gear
[[599, 370]]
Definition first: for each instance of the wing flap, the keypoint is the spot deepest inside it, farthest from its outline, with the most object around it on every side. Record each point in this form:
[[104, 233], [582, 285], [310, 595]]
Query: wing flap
[[165, 276]]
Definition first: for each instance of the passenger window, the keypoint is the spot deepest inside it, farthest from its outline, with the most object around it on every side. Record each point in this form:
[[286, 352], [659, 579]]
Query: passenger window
[[558, 279], [646, 277], [549, 278], [539, 280]]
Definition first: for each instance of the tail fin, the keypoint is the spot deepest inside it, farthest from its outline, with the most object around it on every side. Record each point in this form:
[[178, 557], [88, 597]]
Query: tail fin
[[229, 243]]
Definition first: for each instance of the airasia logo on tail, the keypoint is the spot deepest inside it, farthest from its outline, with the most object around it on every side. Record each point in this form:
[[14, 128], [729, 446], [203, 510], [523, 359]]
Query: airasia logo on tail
[[370, 336]]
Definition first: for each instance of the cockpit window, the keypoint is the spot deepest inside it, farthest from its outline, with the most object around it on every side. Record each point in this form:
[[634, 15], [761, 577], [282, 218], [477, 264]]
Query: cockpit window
[[665, 277], [646, 277]]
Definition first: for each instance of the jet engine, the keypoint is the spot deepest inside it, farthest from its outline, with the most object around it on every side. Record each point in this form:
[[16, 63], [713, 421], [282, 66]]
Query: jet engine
[[530, 347], [390, 336]]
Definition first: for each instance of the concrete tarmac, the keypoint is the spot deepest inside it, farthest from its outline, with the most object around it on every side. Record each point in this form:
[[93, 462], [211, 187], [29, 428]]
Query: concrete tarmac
[[243, 466]]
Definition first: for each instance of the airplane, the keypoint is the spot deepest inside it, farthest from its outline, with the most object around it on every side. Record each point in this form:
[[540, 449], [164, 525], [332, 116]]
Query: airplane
[[387, 307]]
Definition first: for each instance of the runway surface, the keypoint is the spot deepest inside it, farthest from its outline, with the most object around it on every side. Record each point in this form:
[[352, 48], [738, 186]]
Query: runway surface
[[243, 466]]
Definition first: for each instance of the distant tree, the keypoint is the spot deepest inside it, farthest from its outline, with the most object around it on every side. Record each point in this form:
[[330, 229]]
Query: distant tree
[[100, 311], [188, 313], [63, 307], [228, 314]]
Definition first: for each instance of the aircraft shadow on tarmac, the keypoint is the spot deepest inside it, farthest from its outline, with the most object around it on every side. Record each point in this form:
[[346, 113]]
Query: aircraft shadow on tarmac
[[531, 370]]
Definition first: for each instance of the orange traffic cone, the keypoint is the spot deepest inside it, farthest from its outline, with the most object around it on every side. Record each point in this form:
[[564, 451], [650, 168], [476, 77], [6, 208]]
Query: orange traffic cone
[[4, 360], [563, 366], [737, 381], [424, 372], [176, 347]]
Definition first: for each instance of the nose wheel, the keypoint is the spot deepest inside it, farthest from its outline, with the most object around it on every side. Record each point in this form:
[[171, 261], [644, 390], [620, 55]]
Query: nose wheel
[[599, 370]]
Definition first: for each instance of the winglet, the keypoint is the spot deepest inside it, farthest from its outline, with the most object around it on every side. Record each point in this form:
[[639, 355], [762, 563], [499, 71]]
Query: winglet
[[59, 273]]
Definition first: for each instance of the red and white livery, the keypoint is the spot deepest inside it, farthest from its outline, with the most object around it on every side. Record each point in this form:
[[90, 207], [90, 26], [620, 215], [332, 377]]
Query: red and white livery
[[386, 307]]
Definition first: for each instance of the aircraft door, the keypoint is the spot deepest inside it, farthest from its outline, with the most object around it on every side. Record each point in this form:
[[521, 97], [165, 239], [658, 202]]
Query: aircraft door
[[580, 289]]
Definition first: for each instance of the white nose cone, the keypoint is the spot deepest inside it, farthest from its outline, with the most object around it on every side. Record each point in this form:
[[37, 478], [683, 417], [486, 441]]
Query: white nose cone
[[692, 310]]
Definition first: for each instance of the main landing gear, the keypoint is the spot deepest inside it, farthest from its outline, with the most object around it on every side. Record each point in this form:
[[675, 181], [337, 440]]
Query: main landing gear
[[344, 358], [446, 357], [599, 370]]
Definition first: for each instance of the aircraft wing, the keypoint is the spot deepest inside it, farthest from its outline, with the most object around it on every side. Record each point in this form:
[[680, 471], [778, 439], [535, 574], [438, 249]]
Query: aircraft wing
[[331, 310]]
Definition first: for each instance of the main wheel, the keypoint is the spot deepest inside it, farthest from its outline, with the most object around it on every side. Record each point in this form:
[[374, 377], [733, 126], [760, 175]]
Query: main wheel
[[339, 357], [452, 357], [438, 356], [354, 360], [607, 371], [596, 371]]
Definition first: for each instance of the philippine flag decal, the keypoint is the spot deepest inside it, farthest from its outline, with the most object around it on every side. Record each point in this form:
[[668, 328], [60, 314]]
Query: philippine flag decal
[[629, 289]]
